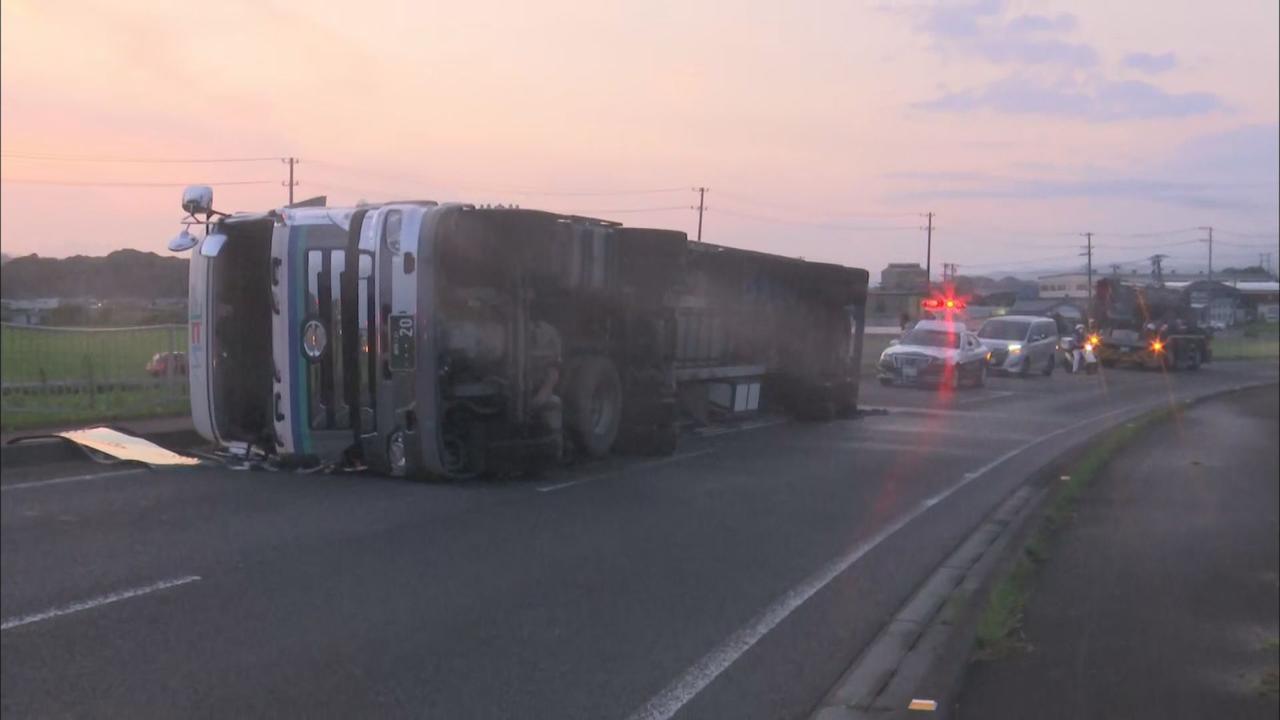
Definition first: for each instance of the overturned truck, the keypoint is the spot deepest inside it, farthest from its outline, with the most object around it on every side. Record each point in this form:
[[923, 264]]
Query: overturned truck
[[448, 340]]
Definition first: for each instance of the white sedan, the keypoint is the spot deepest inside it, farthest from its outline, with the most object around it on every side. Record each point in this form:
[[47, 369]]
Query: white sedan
[[935, 352]]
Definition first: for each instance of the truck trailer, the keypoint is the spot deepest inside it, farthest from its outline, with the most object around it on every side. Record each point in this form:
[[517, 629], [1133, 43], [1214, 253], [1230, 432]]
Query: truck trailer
[[450, 340]]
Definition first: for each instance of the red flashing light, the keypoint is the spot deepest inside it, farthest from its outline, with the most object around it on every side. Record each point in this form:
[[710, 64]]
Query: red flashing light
[[940, 303]]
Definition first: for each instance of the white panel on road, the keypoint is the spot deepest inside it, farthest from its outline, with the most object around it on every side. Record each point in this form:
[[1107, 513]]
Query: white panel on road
[[126, 447]]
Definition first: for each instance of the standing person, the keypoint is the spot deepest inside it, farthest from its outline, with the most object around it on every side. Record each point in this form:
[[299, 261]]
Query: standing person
[[903, 321], [1077, 353]]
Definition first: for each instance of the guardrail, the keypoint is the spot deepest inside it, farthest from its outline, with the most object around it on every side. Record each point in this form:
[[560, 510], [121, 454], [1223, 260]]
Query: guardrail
[[56, 376]]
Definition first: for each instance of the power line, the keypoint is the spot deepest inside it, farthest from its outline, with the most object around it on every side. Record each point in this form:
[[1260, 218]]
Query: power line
[[639, 210], [509, 190], [112, 183], [826, 226], [1263, 243], [1267, 234], [755, 202], [103, 159], [1151, 245]]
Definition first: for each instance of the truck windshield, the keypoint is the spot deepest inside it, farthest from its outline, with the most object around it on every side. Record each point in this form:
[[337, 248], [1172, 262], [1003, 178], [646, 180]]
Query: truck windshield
[[931, 338], [1004, 330]]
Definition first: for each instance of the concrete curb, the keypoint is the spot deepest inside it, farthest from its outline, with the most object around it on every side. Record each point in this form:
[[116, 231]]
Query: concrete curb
[[924, 650]]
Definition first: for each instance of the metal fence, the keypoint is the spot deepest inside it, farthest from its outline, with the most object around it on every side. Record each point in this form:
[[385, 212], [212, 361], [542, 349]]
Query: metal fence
[[59, 376]]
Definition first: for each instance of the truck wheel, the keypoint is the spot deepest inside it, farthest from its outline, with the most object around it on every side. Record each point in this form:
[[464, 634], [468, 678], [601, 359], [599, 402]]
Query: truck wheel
[[595, 405], [1048, 367], [664, 440], [818, 410], [1192, 358]]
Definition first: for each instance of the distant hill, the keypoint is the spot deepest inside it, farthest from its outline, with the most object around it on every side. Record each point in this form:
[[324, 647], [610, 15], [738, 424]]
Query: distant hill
[[124, 274]]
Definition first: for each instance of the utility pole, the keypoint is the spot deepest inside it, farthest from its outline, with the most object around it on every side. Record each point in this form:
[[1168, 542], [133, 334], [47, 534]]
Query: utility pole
[[1088, 252], [928, 252], [290, 161], [1157, 271], [1210, 241], [702, 196]]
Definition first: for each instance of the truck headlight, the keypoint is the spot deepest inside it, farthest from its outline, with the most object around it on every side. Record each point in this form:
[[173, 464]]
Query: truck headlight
[[1015, 348]]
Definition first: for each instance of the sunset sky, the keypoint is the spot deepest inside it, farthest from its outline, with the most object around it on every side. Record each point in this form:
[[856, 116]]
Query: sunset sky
[[823, 129]]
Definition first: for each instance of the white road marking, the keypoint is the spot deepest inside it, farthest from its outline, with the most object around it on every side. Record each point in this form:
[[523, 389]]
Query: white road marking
[[73, 478], [913, 447], [754, 425], [923, 429], [921, 410], [624, 469], [684, 688], [95, 602], [993, 395]]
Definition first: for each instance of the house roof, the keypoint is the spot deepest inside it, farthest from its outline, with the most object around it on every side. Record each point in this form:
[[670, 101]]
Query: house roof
[[1041, 305]]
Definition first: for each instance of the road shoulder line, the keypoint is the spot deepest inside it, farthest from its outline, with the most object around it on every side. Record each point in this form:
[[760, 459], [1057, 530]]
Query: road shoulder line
[[73, 478], [91, 603]]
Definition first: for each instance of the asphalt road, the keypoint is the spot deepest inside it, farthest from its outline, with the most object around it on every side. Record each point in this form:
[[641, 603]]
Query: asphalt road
[[737, 579]]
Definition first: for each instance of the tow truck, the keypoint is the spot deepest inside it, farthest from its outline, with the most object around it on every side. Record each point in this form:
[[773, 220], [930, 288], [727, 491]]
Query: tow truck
[[1147, 326]]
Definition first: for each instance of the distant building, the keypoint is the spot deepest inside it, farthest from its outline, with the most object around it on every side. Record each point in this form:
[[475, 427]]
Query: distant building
[[32, 311], [1227, 303], [1064, 285], [904, 277], [886, 307], [1215, 304]]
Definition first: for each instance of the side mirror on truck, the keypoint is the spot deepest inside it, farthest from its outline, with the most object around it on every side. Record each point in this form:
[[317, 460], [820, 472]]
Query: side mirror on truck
[[183, 242], [197, 199]]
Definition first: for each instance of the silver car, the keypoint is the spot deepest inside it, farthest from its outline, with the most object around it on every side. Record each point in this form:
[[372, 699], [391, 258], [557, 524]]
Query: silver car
[[934, 352], [1021, 344]]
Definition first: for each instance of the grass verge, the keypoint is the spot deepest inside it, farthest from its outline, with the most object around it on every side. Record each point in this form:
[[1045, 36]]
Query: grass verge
[[999, 630], [33, 412], [1256, 341]]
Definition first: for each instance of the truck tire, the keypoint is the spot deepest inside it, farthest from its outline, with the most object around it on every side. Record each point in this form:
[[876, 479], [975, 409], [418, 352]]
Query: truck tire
[[663, 441], [818, 410], [1048, 367], [1192, 358], [594, 405]]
